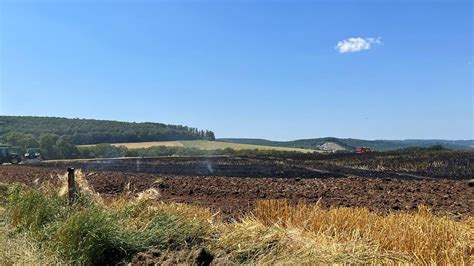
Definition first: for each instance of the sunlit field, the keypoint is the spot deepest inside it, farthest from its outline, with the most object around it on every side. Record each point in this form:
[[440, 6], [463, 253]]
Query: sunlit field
[[203, 144]]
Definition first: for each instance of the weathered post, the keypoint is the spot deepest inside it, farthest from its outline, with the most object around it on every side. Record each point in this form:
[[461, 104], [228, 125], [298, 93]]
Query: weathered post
[[71, 186]]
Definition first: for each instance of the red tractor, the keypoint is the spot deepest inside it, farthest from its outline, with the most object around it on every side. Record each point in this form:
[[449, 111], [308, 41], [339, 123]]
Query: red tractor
[[360, 150]]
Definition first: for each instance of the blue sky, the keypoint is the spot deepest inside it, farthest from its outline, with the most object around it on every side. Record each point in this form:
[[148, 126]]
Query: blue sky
[[266, 69]]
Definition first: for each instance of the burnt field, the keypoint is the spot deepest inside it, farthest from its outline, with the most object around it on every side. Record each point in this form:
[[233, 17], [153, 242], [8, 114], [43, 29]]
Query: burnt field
[[407, 165], [381, 182]]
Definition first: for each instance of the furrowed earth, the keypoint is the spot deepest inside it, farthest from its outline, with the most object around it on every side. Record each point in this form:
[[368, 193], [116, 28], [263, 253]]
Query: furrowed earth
[[231, 186]]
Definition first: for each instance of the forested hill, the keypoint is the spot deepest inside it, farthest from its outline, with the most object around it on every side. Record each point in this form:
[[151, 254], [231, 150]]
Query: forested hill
[[351, 144], [90, 131]]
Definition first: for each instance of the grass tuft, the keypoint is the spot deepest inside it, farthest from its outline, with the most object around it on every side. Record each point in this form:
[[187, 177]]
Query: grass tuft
[[31, 209], [88, 237], [86, 194], [167, 226]]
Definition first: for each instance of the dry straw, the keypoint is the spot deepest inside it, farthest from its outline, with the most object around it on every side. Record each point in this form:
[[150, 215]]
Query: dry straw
[[419, 237]]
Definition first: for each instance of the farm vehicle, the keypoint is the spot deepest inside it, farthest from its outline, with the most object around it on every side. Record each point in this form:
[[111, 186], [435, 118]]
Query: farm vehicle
[[8, 155], [33, 154], [360, 150]]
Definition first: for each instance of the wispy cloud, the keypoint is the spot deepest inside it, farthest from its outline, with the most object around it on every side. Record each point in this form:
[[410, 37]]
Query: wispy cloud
[[357, 44]]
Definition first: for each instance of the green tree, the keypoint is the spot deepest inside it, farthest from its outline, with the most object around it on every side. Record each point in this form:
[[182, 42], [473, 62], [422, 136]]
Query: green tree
[[66, 149], [47, 142], [20, 139], [437, 148]]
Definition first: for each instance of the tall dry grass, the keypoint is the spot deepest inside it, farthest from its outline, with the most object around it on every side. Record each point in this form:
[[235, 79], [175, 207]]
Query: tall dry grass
[[85, 192], [420, 237]]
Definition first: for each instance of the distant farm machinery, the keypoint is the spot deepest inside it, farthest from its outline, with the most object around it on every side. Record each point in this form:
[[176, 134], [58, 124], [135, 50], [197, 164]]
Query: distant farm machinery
[[33, 154], [8, 155], [360, 150]]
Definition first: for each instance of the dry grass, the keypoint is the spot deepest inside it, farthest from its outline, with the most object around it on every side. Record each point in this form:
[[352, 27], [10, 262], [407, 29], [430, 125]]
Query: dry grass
[[421, 237], [213, 145], [203, 145], [277, 233], [139, 145], [18, 249], [251, 241], [83, 188]]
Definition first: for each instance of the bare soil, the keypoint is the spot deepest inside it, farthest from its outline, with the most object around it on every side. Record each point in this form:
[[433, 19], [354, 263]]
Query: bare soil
[[236, 195]]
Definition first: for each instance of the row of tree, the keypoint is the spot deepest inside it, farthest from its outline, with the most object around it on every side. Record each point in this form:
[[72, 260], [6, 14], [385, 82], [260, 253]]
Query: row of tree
[[57, 137], [51, 145], [90, 131], [110, 151]]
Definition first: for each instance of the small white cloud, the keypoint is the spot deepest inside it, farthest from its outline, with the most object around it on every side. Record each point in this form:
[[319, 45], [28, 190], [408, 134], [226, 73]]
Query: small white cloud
[[358, 44]]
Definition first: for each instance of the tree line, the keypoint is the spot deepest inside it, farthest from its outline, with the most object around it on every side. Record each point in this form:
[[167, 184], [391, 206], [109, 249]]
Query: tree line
[[90, 131], [57, 137], [53, 146], [110, 151]]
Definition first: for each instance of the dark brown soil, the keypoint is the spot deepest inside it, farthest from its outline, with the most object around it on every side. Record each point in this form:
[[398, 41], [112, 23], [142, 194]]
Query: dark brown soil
[[234, 196]]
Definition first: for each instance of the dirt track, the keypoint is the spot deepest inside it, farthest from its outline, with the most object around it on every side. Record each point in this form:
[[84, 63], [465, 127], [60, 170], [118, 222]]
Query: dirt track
[[236, 195]]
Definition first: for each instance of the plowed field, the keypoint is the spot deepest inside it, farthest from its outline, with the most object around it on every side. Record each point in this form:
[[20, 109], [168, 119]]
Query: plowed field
[[235, 195]]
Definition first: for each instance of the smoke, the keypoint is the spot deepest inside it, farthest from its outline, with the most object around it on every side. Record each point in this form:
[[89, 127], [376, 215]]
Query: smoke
[[138, 164], [209, 166]]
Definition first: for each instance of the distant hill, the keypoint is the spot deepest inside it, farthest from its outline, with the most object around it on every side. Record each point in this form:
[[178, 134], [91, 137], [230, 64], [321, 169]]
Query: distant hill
[[90, 131], [351, 144]]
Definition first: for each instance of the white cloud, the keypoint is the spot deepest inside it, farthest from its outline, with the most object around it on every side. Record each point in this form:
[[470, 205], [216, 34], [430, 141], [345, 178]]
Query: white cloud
[[358, 44]]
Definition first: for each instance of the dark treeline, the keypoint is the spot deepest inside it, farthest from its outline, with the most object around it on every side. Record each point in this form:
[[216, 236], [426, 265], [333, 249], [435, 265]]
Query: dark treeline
[[89, 131], [57, 137], [110, 151]]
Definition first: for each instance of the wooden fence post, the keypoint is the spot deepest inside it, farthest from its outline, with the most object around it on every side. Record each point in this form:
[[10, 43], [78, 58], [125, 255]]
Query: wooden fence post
[[71, 186]]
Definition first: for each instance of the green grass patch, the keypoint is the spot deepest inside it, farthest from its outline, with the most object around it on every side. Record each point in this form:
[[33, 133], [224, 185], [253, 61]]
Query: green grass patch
[[166, 231], [92, 233], [31, 209], [89, 237]]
